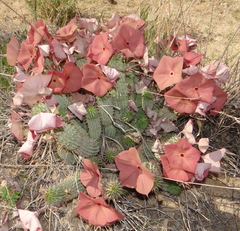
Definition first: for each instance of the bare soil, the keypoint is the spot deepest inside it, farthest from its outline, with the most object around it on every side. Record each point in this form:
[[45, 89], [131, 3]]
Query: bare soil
[[211, 207]]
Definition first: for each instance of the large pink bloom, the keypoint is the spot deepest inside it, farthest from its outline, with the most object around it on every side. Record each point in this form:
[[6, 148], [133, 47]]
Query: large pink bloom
[[90, 178], [94, 80], [26, 55], [97, 211], [182, 155], [133, 173], [101, 50], [129, 41], [168, 72], [38, 32], [197, 86], [178, 101], [174, 173]]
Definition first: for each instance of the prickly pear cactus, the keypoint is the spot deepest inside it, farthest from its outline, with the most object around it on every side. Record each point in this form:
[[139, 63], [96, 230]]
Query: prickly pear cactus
[[76, 140], [65, 191], [66, 155], [93, 122]]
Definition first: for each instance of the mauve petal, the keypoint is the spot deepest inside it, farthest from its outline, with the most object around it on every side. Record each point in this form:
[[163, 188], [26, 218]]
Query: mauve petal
[[202, 170], [214, 159]]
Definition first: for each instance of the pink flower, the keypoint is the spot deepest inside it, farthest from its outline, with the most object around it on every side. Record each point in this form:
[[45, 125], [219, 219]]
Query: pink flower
[[26, 55], [178, 101], [221, 97], [12, 52], [90, 178], [74, 77], [44, 121], [175, 173], [27, 148], [16, 126], [94, 80], [197, 86], [129, 41], [133, 173], [168, 71], [33, 90], [29, 220], [97, 211], [182, 155], [78, 109], [38, 33], [101, 50]]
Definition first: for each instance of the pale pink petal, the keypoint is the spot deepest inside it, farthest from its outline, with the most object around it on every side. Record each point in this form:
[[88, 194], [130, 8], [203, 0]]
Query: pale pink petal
[[20, 76], [29, 220], [187, 132], [78, 109], [110, 72], [202, 108], [27, 148], [203, 144], [90, 24], [45, 49], [44, 121], [157, 147]]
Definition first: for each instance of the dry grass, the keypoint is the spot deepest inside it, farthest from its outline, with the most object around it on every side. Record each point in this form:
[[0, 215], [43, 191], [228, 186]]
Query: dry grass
[[215, 25]]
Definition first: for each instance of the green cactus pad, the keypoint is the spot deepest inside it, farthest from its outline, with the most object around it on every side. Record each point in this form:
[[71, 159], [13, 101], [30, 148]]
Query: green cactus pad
[[93, 122], [66, 155], [73, 140], [65, 191]]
